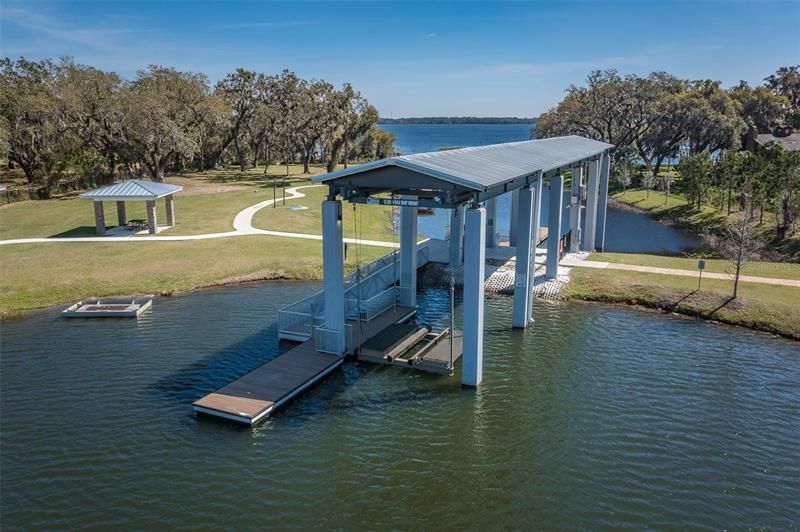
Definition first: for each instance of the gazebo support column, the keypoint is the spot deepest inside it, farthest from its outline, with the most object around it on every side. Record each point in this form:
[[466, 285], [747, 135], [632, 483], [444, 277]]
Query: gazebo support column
[[474, 266], [170, 207], [554, 225], [99, 218], [152, 221], [513, 213], [602, 204], [592, 188], [522, 277], [122, 217], [537, 215], [333, 274], [575, 209], [491, 223], [408, 254], [456, 236]]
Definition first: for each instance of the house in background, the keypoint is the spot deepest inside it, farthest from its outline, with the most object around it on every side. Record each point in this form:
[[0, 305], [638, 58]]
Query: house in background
[[783, 135]]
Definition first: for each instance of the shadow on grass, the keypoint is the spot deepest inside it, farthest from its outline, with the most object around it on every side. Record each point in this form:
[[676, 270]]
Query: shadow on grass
[[84, 230], [724, 304]]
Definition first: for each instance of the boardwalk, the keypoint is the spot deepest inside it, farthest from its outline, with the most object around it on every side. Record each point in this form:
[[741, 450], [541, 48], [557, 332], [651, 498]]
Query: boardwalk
[[257, 394]]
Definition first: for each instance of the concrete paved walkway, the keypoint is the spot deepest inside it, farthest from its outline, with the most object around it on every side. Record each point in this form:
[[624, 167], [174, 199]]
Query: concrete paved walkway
[[242, 226], [581, 263]]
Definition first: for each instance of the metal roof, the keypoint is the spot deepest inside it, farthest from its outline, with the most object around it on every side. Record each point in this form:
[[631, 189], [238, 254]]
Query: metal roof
[[134, 189], [483, 167]]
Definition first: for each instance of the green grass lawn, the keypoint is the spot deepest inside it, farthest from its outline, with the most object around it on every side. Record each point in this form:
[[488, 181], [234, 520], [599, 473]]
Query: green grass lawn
[[40, 275], [776, 270], [375, 222], [769, 308], [208, 204], [676, 209]]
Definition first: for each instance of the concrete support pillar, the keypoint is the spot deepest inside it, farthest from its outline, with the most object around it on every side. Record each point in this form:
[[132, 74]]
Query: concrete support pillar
[[592, 188], [408, 255], [602, 204], [522, 277], [536, 223], [333, 269], [456, 236], [99, 218], [491, 223], [152, 221], [122, 217], [575, 209], [554, 225], [474, 266], [512, 211], [170, 205]]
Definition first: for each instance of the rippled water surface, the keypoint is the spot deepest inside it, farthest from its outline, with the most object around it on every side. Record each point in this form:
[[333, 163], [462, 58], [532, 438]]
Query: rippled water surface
[[595, 417]]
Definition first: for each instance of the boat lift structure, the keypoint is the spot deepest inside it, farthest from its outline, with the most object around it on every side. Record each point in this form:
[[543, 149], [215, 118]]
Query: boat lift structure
[[355, 314]]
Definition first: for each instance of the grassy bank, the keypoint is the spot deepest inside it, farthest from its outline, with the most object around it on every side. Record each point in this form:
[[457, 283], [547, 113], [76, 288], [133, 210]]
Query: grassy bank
[[675, 209], [774, 309], [40, 275], [374, 221], [776, 270]]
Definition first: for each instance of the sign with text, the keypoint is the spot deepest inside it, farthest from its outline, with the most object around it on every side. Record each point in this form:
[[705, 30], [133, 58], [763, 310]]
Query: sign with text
[[393, 201]]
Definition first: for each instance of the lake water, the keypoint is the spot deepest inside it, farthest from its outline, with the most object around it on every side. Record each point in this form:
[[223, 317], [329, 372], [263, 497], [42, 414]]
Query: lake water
[[626, 232], [418, 138], [596, 417]]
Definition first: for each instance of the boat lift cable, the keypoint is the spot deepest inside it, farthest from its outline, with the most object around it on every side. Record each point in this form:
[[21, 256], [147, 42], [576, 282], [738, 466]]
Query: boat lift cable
[[395, 253]]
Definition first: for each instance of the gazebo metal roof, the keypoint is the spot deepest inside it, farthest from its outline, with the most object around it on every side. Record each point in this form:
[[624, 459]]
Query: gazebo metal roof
[[482, 171], [132, 190]]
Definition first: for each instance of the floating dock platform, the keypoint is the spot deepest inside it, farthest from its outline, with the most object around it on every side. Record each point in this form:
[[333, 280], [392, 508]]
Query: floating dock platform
[[108, 308], [259, 393]]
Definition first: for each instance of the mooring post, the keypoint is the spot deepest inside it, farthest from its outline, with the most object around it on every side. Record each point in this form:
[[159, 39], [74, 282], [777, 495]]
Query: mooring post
[[522, 277], [554, 225], [474, 266], [602, 203], [408, 253], [592, 188], [333, 272], [575, 209], [491, 222]]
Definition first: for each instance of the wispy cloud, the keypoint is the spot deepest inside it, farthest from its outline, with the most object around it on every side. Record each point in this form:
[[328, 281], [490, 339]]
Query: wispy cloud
[[272, 24], [431, 35], [40, 24]]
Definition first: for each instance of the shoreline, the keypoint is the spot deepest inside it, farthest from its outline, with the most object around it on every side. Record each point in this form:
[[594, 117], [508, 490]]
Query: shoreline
[[604, 299]]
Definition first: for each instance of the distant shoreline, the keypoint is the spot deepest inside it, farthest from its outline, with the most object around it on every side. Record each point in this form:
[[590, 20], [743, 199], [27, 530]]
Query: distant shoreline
[[434, 120]]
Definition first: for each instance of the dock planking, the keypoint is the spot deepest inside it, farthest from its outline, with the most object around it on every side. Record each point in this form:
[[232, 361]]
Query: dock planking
[[257, 394]]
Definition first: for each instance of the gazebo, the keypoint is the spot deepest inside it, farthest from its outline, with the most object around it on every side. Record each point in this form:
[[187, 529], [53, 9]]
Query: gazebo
[[133, 190]]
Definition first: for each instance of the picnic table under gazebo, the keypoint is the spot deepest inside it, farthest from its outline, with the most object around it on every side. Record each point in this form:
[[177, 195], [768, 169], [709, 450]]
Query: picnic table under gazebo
[[133, 190]]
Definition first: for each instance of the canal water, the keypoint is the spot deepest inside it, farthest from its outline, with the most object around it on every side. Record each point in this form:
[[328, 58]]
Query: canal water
[[626, 231], [596, 417]]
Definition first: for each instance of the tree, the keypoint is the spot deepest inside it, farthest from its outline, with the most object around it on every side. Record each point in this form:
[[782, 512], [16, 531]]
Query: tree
[[759, 107], [624, 166], [239, 91], [159, 120], [739, 243], [28, 105], [696, 171], [786, 82]]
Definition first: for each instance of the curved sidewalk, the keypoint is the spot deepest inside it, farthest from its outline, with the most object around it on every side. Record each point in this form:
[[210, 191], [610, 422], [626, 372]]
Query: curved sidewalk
[[242, 225], [580, 263]]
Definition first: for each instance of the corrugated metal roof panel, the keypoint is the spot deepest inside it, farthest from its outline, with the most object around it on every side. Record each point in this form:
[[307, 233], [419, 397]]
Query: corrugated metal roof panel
[[483, 167], [134, 189]]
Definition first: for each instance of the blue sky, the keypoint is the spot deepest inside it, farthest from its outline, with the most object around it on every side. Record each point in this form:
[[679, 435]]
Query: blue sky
[[418, 59]]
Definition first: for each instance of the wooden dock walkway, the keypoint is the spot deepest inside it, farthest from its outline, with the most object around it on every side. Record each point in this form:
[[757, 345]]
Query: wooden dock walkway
[[258, 393]]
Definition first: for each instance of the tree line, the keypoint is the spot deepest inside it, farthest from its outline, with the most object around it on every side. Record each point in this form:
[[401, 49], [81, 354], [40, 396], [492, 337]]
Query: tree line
[[58, 118], [458, 120], [659, 119]]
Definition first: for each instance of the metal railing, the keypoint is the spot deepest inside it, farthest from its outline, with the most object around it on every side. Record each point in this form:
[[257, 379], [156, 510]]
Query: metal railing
[[371, 308], [298, 320], [327, 340]]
